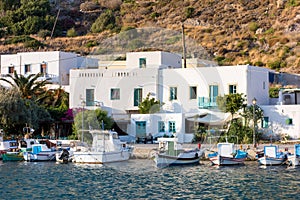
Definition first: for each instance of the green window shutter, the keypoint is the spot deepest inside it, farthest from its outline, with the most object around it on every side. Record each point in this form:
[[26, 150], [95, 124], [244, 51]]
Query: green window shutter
[[265, 122], [289, 121]]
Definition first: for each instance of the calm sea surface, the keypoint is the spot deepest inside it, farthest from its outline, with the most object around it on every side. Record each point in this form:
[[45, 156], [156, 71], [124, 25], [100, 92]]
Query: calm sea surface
[[140, 179]]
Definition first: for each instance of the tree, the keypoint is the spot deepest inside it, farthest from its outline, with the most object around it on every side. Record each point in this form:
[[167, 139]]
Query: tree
[[149, 105], [16, 111], [231, 103], [29, 87], [92, 119], [26, 16], [253, 113], [106, 21]]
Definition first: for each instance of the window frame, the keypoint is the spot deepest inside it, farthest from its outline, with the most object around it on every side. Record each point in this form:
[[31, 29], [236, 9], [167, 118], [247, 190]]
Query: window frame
[[115, 92]]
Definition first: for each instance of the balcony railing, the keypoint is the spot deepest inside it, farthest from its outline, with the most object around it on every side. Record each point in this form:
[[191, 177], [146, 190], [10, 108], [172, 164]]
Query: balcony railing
[[207, 102]]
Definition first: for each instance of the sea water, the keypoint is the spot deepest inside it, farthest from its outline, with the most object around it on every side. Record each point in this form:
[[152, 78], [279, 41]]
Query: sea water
[[140, 179]]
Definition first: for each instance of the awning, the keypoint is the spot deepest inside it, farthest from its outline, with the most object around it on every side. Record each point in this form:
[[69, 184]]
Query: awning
[[214, 118]]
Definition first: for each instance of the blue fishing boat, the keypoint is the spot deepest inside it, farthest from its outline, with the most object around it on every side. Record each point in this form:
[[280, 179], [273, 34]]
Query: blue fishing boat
[[40, 152], [227, 155], [272, 156]]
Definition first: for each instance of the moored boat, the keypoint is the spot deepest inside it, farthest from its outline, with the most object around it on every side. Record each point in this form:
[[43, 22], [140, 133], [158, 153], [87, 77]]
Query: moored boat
[[227, 155], [40, 152], [13, 156], [171, 153], [272, 156], [294, 159], [106, 147]]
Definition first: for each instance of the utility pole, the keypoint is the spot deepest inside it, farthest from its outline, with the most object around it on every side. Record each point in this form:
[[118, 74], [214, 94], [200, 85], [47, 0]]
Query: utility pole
[[55, 23], [183, 46]]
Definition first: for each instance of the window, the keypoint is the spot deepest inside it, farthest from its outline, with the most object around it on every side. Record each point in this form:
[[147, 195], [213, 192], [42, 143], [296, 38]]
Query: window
[[265, 122], [193, 92], [172, 128], [90, 97], [289, 121], [213, 93], [161, 126], [114, 94], [43, 68], [138, 95], [232, 89], [27, 68], [11, 69], [142, 62], [173, 93]]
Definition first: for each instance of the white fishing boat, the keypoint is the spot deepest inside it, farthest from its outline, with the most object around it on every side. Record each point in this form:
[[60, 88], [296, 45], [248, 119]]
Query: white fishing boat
[[171, 153], [294, 159], [106, 147], [40, 152], [272, 156], [227, 155]]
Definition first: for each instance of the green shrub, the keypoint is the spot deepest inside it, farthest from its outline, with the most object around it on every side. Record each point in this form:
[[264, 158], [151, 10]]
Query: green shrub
[[277, 64], [106, 21], [293, 3], [259, 63], [253, 26], [34, 44], [274, 92], [270, 31], [189, 12], [91, 43], [154, 15], [18, 39], [71, 32], [44, 33]]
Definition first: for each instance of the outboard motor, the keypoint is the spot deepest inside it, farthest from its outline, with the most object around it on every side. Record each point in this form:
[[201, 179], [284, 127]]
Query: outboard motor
[[64, 156]]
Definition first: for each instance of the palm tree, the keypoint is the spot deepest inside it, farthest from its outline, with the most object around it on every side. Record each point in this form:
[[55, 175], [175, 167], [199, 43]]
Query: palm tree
[[29, 86]]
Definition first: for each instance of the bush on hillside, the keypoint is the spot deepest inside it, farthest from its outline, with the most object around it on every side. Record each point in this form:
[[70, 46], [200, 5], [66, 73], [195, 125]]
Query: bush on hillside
[[106, 21]]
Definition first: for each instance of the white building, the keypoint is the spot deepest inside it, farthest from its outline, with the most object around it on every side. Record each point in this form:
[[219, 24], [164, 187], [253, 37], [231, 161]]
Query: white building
[[55, 65], [188, 91]]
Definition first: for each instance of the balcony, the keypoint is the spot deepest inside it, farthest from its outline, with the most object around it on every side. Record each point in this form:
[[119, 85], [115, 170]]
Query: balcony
[[207, 102]]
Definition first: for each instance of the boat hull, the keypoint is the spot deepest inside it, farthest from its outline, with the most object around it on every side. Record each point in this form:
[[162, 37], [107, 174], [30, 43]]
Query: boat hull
[[12, 156], [100, 157], [166, 160], [271, 161], [222, 160], [42, 156], [294, 160]]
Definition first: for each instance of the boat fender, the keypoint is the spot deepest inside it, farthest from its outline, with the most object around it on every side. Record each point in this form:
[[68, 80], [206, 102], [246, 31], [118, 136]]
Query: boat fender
[[196, 155], [199, 145]]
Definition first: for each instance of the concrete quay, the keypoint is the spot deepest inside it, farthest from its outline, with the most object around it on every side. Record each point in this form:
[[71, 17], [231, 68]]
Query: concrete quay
[[146, 151]]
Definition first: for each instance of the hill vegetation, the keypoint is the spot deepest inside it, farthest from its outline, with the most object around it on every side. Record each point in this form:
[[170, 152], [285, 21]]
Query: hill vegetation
[[262, 33]]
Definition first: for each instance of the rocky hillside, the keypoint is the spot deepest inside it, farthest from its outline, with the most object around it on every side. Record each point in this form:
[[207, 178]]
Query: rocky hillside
[[262, 33]]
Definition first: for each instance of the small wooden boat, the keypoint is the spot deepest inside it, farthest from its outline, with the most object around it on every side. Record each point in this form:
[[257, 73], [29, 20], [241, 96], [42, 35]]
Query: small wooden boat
[[8, 146], [13, 156], [294, 159], [227, 155], [40, 152], [171, 153], [272, 156]]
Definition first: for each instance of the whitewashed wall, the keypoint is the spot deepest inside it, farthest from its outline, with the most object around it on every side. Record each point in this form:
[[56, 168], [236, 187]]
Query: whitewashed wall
[[154, 59], [152, 124], [277, 117]]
